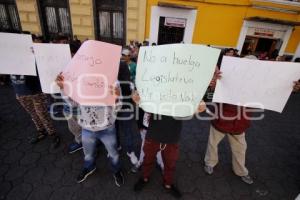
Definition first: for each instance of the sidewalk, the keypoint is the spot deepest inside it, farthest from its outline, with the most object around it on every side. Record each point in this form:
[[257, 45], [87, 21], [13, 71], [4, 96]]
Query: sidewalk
[[34, 172]]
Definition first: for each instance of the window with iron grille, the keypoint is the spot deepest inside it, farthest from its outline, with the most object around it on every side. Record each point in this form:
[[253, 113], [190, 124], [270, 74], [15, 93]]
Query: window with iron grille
[[55, 17], [9, 17], [110, 21]]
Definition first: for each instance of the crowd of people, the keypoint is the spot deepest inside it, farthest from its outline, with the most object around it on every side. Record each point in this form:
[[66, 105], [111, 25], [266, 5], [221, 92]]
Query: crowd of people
[[160, 135]]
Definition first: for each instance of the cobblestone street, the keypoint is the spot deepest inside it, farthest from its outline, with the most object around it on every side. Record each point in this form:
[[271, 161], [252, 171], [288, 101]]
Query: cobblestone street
[[34, 172]]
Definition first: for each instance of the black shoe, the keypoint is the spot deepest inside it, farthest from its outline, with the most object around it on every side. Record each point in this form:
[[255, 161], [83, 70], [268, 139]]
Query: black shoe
[[119, 178], [35, 139], [55, 142], [173, 191], [134, 169], [140, 184], [84, 174], [73, 147]]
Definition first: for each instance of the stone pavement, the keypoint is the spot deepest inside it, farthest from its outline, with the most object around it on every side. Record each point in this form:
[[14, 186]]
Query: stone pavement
[[37, 173]]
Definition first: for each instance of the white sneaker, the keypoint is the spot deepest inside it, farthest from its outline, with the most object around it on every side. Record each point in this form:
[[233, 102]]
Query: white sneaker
[[208, 169], [247, 179], [133, 158]]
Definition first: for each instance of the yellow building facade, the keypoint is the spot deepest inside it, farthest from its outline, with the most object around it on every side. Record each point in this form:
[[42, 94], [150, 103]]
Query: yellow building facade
[[226, 23], [256, 25], [83, 17]]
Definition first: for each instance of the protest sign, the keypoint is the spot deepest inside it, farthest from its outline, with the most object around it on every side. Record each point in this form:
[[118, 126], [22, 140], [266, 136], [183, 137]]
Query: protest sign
[[16, 55], [51, 59], [172, 79], [91, 72], [255, 83]]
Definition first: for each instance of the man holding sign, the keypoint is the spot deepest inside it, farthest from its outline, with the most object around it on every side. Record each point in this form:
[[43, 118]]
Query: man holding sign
[[241, 87], [171, 81], [231, 121]]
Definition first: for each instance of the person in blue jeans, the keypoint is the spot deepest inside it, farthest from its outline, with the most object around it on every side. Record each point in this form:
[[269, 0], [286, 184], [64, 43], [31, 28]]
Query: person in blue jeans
[[89, 141], [98, 123]]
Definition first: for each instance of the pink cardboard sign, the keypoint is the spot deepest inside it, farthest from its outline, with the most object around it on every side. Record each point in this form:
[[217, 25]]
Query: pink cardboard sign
[[91, 72]]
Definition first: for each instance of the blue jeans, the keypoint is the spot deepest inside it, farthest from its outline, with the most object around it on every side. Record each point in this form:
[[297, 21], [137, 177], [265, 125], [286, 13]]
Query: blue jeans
[[108, 138], [126, 125]]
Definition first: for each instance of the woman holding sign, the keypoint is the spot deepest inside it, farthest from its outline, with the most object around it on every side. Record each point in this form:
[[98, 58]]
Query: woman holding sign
[[29, 94], [34, 101]]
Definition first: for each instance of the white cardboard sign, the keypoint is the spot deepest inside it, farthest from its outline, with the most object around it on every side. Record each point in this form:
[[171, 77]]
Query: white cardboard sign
[[51, 59], [255, 83], [16, 56]]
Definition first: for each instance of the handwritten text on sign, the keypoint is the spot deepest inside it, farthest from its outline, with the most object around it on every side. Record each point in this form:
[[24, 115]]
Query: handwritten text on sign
[[51, 59], [90, 73], [172, 79], [255, 83]]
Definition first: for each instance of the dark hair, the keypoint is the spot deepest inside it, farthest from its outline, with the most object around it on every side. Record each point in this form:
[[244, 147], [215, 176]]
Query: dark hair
[[124, 73], [74, 46], [145, 43], [13, 31], [220, 58], [63, 37], [229, 49], [34, 37], [26, 32], [297, 60]]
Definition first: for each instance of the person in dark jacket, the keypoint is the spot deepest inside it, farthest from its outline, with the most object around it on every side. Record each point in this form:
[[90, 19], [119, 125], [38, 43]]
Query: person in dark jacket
[[163, 135], [125, 120]]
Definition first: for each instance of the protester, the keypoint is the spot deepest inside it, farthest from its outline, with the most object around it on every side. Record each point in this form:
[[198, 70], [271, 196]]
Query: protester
[[264, 56], [145, 43], [76, 41], [98, 123], [34, 101], [228, 123], [134, 52], [131, 65], [143, 132], [125, 122], [280, 58], [230, 52], [163, 135], [70, 111], [131, 45]]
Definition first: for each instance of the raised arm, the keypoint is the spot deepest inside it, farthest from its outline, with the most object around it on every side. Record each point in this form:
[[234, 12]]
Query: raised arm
[[217, 76], [136, 97], [297, 86]]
